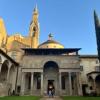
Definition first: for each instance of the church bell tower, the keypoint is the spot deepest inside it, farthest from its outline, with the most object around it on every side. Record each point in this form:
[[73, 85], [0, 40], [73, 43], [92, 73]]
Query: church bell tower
[[34, 29]]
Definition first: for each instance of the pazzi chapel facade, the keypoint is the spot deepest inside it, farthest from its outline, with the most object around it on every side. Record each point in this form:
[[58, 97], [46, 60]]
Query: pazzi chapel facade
[[29, 68]]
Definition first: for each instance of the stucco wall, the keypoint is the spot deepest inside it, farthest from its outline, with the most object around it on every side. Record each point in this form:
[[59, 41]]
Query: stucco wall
[[89, 65]]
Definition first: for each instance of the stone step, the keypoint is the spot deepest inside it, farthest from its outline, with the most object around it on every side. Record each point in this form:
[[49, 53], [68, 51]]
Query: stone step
[[51, 98]]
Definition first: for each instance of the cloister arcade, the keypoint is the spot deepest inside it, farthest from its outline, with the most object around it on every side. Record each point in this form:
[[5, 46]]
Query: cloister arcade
[[94, 81], [8, 72]]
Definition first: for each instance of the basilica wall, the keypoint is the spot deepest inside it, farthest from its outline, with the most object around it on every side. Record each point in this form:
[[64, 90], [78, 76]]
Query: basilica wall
[[3, 33], [9, 42], [16, 55]]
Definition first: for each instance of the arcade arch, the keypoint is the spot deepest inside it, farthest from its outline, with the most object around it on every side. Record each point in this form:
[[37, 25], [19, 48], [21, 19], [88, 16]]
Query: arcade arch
[[97, 81], [4, 71]]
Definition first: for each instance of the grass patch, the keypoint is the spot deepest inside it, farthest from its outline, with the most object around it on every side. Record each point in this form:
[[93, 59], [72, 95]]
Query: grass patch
[[80, 98], [20, 98]]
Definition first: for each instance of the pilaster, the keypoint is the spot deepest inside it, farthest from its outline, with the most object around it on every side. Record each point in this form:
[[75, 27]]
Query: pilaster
[[32, 78], [60, 83], [80, 84], [22, 83]]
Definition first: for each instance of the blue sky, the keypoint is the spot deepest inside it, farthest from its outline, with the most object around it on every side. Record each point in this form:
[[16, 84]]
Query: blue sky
[[70, 21]]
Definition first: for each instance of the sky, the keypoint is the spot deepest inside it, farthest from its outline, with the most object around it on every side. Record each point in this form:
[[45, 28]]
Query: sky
[[70, 21]]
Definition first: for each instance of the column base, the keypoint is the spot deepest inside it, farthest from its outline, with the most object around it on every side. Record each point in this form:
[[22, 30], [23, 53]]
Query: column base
[[60, 93], [22, 93], [42, 93]]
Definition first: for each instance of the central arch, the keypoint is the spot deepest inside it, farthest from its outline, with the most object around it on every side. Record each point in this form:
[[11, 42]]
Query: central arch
[[51, 76]]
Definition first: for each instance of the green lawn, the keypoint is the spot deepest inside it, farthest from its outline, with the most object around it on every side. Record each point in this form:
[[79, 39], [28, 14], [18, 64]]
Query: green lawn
[[80, 98], [20, 98], [37, 98]]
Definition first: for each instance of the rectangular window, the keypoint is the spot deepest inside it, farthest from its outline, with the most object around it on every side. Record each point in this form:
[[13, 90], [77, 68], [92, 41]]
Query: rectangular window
[[81, 68], [97, 61], [63, 82]]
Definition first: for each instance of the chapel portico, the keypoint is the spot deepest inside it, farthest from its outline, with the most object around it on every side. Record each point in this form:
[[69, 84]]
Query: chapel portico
[[59, 71]]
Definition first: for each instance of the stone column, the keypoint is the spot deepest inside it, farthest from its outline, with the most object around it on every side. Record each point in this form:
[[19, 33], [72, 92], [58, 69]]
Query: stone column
[[94, 83], [8, 74], [70, 83], [32, 78], [60, 83], [22, 83], [42, 83], [79, 84]]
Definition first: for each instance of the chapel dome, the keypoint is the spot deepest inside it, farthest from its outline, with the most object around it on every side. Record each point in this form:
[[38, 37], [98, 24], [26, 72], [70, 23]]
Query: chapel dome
[[50, 43]]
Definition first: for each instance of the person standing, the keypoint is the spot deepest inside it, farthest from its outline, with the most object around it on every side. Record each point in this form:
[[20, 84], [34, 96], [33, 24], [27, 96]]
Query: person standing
[[50, 90]]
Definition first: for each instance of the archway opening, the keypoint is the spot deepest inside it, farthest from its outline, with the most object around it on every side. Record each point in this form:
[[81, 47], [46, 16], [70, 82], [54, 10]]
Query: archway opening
[[4, 71], [91, 82], [12, 76], [51, 76], [97, 80]]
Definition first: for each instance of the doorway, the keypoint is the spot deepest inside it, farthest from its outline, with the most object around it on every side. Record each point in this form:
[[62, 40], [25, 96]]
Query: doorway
[[50, 85]]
